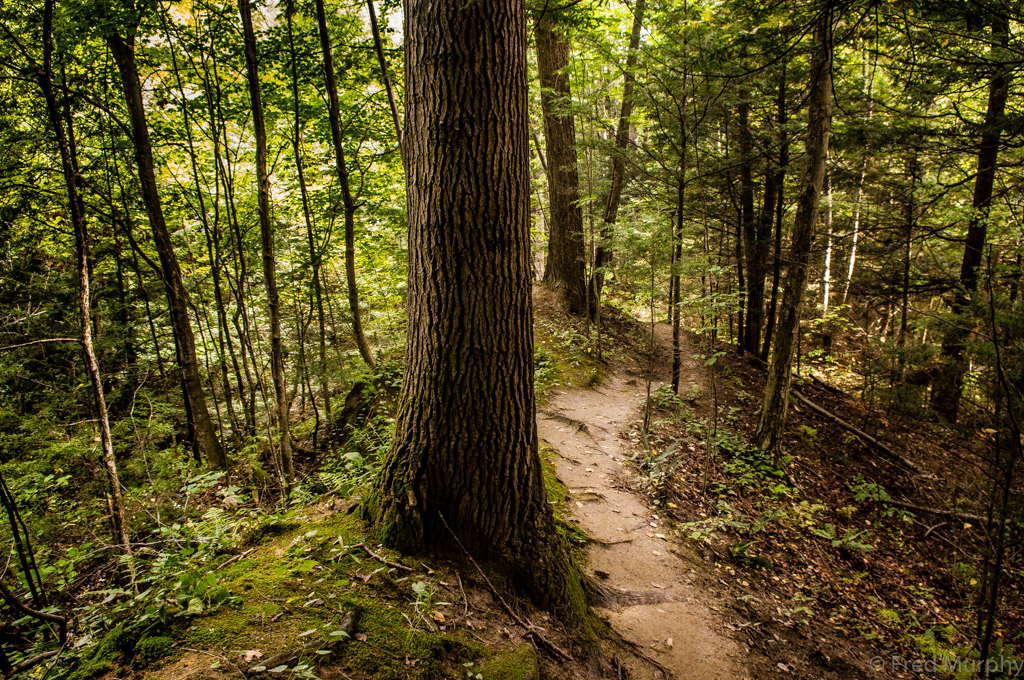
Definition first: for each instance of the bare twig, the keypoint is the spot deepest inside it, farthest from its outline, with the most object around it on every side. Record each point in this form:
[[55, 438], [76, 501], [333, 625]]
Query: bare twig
[[232, 560], [394, 565]]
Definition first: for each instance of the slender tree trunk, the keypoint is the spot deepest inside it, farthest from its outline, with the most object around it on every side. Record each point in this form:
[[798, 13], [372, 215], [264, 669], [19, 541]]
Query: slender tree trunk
[[346, 192], [826, 272], [946, 390], [123, 51], [267, 245], [910, 221], [565, 272], [68, 156], [762, 248], [858, 192], [750, 333], [463, 471], [210, 236], [125, 317], [315, 255], [675, 312], [616, 175], [741, 284], [219, 262], [819, 123], [385, 74], [780, 203]]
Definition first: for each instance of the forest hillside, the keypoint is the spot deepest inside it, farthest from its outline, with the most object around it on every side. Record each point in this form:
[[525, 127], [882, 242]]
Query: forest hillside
[[639, 338]]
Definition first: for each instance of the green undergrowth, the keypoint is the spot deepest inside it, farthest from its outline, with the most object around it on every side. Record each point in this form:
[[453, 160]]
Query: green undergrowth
[[563, 358], [292, 583]]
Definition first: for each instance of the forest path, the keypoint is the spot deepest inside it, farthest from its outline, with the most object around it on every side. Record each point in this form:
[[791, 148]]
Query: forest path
[[654, 601]]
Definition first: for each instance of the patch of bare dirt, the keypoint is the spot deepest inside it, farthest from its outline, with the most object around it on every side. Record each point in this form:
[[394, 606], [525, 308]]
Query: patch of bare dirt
[[653, 599]]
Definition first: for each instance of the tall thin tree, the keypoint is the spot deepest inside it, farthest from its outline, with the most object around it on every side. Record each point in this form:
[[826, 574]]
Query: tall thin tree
[[775, 402], [566, 265], [267, 244], [122, 48], [348, 203]]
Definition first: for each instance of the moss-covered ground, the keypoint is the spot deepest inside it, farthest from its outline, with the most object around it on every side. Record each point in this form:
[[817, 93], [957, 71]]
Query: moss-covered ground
[[294, 585]]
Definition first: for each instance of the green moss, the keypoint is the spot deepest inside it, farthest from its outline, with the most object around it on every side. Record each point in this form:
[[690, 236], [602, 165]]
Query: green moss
[[124, 644], [520, 663], [393, 649], [150, 649], [272, 526], [556, 491]]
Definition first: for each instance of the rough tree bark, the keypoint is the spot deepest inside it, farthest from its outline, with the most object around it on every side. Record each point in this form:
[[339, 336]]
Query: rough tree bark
[[819, 124], [123, 51], [945, 398], [267, 245], [463, 471], [334, 111], [565, 272], [604, 252]]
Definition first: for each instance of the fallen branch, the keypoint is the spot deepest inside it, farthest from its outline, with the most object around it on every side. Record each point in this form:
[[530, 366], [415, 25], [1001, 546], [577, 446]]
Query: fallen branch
[[859, 433], [233, 560], [601, 541], [287, 658], [47, 341], [578, 424], [940, 512], [62, 624], [393, 565]]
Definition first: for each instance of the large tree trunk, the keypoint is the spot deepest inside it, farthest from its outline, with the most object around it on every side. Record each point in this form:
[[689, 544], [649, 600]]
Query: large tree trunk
[[267, 244], [69, 166], [463, 471], [123, 51], [334, 116], [565, 271], [946, 391], [616, 176], [819, 124]]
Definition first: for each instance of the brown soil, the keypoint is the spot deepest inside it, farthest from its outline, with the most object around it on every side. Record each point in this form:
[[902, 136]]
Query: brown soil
[[652, 599]]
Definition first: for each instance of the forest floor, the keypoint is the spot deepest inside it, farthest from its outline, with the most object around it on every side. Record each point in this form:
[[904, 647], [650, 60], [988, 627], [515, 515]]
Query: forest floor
[[844, 562], [712, 563], [651, 597]]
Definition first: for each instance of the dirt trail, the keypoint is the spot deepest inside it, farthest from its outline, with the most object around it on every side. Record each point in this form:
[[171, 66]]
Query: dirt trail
[[655, 603]]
